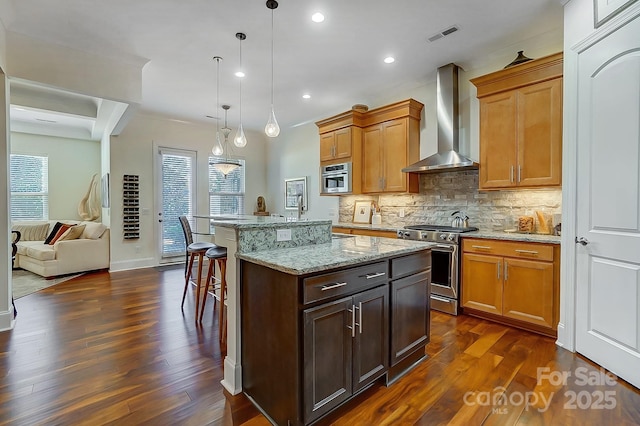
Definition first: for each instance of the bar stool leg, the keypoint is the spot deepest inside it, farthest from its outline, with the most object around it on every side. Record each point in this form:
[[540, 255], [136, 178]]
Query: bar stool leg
[[198, 284], [187, 276], [211, 271], [222, 322]]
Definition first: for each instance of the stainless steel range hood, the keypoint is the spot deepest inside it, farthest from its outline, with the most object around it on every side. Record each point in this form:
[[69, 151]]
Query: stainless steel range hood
[[447, 158]]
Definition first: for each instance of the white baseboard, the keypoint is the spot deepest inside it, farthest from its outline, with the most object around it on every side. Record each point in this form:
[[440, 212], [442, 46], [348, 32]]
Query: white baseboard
[[7, 321], [126, 265]]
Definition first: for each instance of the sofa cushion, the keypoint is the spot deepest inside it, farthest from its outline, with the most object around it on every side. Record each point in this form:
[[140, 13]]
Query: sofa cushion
[[36, 250], [73, 233], [93, 230], [35, 232]]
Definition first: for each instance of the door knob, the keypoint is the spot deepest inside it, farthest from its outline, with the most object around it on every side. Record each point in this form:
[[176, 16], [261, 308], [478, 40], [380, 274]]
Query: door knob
[[582, 240]]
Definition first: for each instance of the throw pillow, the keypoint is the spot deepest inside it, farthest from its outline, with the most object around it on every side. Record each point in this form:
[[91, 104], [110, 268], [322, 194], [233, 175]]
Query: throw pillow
[[35, 232], [61, 230], [72, 233], [53, 232], [93, 230]]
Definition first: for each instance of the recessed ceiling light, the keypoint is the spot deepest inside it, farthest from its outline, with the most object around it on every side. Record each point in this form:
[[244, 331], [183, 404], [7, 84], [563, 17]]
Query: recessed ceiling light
[[317, 17], [239, 74], [306, 96], [389, 60]]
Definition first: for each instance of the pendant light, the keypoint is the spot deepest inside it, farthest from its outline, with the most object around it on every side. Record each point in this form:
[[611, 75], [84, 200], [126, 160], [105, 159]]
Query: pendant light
[[217, 149], [240, 140], [272, 129], [226, 166]]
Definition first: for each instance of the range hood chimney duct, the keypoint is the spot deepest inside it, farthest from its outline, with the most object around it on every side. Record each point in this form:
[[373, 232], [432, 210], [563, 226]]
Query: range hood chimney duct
[[447, 158]]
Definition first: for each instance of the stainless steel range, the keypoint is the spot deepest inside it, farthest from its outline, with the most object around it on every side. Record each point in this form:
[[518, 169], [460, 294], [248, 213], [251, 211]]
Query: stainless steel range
[[445, 262]]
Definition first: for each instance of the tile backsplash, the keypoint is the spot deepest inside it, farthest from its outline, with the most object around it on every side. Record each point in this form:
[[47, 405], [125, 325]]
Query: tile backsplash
[[443, 193]]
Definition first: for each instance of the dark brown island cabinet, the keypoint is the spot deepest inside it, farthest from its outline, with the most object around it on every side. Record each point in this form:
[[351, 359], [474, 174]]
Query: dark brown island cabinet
[[310, 343]]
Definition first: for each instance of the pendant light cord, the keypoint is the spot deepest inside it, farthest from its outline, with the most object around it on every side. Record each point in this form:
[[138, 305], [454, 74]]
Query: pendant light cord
[[272, 37]]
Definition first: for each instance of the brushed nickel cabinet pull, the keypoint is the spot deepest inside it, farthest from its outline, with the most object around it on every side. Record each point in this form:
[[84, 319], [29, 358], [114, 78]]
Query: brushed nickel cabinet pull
[[360, 317], [519, 172], [331, 287], [375, 275], [482, 247], [526, 251], [511, 174], [506, 270], [498, 264]]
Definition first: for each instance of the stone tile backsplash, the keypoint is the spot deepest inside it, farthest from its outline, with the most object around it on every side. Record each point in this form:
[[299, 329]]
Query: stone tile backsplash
[[443, 193]]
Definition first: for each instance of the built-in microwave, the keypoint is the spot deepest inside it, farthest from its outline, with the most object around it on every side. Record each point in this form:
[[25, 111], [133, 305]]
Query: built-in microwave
[[336, 178]]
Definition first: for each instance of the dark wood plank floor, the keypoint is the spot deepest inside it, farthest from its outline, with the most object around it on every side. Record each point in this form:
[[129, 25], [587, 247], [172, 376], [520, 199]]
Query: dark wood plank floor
[[116, 349]]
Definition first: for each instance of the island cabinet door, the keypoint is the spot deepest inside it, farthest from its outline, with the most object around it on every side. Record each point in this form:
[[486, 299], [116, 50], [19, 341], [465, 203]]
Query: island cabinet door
[[371, 344], [328, 345], [409, 315]]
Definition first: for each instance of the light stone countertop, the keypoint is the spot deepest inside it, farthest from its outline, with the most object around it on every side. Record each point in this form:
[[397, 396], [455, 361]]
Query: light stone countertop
[[250, 221], [341, 252], [482, 233]]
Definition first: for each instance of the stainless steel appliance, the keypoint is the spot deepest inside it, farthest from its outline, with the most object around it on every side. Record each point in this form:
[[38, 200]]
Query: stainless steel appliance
[[445, 262], [336, 178]]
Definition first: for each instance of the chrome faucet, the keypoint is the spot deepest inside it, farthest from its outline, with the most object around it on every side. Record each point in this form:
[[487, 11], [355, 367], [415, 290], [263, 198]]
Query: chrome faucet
[[300, 210]]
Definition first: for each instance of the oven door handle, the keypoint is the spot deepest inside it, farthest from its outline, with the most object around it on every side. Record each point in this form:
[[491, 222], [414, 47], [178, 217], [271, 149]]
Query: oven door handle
[[449, 248]]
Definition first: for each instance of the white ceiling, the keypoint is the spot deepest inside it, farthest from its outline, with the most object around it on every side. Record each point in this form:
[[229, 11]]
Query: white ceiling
[[338, 62]]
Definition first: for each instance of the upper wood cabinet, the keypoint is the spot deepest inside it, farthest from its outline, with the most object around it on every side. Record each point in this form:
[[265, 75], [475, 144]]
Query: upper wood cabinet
[[391, 141], [379, 143], [521, 125]]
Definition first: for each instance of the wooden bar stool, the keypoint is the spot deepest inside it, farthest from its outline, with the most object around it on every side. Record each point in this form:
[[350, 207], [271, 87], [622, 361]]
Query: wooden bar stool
[[217, 254], [193, 249]]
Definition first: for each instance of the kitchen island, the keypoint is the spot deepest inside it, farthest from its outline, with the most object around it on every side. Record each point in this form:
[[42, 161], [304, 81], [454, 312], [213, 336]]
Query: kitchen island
[[321, 323], [244, 234]]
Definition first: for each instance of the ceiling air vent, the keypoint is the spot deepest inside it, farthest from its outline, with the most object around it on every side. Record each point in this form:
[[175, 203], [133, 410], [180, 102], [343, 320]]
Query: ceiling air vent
[[444, 33]]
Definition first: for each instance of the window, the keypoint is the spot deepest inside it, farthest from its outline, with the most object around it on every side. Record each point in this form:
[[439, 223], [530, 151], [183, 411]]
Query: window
[[29, 187], [226, 195]]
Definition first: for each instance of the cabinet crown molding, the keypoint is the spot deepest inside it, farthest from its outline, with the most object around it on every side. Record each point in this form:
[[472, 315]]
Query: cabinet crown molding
[[535, 71]]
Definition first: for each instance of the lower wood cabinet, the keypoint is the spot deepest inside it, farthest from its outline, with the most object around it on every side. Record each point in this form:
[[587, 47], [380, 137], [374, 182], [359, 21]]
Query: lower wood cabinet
[[367, 232], [312, 342], [513, 282], [345, 349]]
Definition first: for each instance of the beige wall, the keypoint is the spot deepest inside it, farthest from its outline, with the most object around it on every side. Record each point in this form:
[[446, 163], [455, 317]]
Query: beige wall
[[72, 163], [132, 152]]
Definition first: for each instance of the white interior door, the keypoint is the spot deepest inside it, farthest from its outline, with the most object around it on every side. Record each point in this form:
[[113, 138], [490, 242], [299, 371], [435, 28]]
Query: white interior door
[[608, 203], [176, 189]]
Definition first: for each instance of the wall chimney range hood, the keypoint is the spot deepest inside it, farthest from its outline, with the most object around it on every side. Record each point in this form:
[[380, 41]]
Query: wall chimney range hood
[[447, 158]]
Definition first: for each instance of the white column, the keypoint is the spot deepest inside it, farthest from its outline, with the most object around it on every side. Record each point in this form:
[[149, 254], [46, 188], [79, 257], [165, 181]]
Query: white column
[[232, 381]]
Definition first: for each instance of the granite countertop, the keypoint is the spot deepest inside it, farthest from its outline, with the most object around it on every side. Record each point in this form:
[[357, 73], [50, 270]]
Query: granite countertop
[[512, 236], [340, 252], [482, 233], [250, 221]]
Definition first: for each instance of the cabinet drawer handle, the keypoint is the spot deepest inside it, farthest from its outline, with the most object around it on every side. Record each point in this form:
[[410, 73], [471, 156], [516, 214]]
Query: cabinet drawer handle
[[331, 287], [359, 323], [519, 173], [511, 174], [482, 247], [375, 275], [498, 265], [527, 251], [506, 271]]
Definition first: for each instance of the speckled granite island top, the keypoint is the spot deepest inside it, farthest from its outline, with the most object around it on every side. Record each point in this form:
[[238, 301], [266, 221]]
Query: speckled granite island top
[[247, 222], [340, 252]]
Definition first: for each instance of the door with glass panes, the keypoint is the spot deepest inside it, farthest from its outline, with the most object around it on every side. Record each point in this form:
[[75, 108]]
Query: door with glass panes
[[175, 187]]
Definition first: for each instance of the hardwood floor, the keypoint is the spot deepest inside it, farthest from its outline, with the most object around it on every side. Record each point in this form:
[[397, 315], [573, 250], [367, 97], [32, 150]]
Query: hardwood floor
[[116, 349]]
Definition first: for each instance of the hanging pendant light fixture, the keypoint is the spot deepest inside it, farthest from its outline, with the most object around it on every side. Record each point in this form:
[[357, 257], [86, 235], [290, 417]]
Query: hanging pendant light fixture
[[226, 166], [240, 139], [272, 129], [217, 149]]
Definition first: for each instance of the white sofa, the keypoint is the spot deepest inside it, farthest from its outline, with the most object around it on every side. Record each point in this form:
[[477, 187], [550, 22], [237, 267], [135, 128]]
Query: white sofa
[[88, 252]]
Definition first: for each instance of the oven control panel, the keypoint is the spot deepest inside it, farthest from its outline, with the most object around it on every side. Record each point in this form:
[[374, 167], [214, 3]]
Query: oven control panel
[[429, 236]]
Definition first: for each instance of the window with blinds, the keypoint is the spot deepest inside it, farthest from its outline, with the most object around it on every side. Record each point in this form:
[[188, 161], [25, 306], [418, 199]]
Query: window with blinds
[[29, 183], [226, 195]]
